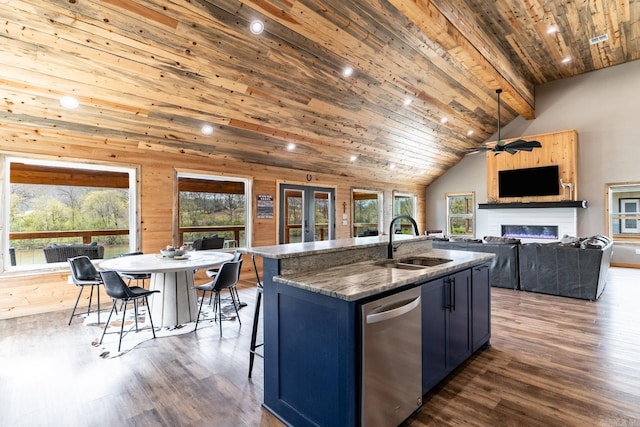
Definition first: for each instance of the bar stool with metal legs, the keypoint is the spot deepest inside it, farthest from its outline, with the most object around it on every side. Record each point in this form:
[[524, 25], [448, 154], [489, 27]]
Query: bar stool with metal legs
[[256, 315]]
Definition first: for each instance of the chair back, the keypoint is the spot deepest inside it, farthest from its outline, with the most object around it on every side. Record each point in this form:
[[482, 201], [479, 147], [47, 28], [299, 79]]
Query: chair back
[[82, 269], [114, 285], [228, 275], [211, 242]]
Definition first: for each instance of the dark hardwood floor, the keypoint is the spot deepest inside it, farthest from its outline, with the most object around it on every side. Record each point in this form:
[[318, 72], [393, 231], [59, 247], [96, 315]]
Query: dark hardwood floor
[[553, 362]]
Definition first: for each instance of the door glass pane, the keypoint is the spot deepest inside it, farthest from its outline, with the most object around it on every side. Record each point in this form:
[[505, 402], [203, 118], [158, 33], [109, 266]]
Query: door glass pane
[[322, 207], [294, 206]]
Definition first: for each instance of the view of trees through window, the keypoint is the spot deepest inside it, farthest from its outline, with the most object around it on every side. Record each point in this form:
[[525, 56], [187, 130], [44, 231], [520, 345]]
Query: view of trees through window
[[37, 208], [460, 216], [404, 205], [199, 209], [365, 214]]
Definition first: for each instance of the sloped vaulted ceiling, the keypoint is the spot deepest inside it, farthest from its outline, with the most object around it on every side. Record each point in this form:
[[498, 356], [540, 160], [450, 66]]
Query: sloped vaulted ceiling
[[151, 73]]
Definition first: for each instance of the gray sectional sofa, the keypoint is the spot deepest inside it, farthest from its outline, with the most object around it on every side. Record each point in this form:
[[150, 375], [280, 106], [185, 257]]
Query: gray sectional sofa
[[577, 270], [503, 272], [573, 267]]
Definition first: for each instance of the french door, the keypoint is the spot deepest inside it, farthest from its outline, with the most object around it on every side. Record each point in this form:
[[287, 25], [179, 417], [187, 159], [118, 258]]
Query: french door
[[307, 214]]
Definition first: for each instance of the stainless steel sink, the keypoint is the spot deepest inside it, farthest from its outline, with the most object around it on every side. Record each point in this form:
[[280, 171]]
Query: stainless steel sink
[[413, 263]]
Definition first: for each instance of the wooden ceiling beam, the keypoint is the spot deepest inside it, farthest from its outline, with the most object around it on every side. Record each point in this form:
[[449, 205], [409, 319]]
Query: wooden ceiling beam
[[443, 22]]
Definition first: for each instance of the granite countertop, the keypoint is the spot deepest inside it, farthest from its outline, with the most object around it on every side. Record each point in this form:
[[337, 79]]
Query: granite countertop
[[356, 281], [293, 250]]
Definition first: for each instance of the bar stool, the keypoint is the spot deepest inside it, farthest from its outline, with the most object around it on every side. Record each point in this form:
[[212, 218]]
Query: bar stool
[[256, 316]]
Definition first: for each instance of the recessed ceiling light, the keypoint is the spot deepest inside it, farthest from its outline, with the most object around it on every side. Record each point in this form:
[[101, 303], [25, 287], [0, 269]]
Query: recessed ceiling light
[[470, 133], [407, 102], [444, 120], [392, 166], [206, 130], [552, 30], [353, 158], [256, 27], [565, 60], [291, 146], [69, 102], [347, 72]]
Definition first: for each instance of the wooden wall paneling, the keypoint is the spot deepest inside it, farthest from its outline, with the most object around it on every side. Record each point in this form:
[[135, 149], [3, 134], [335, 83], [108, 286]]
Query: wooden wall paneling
[[558, 148], [45, 292]]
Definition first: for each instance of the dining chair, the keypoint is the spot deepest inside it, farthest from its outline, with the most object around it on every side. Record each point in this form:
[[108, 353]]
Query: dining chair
[[212, 272], [211, 242], [119, 291], [84, 274], [227, 278], [135, 277], [256, 316]]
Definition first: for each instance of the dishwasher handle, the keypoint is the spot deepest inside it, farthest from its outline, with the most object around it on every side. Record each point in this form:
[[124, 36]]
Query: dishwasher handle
[[392, 311]]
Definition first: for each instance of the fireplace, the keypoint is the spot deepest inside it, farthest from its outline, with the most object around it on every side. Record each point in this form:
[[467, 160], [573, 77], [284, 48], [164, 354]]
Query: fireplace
[[549, 232], [532, 222]]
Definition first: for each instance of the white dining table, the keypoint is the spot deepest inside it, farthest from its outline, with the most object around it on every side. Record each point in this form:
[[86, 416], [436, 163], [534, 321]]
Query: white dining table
[[176, 304]]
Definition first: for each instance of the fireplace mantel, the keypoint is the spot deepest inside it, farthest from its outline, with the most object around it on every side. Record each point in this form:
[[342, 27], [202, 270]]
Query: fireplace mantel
[[524, 205]]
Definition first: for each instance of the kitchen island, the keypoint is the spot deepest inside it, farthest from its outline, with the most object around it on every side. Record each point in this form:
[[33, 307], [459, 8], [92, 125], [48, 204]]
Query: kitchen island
[[313, 293]]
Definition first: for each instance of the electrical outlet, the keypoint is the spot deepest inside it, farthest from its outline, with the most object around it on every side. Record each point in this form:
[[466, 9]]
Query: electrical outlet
[[637, 251]]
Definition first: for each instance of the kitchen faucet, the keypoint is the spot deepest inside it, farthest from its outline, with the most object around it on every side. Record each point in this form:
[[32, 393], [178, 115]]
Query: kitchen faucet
[[415, 229]]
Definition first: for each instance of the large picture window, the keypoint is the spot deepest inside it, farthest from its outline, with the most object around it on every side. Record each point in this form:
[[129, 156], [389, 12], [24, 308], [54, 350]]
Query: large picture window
[[404, 204], [460, 214], [211, 205], [367, 212], [624, 211], [54, 210]]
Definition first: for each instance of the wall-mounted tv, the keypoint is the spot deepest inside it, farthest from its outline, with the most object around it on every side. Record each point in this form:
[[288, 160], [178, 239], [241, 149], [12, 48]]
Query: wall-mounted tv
[[541, 181]]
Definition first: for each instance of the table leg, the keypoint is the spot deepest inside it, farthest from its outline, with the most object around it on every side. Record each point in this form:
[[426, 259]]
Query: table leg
[[177, 301]]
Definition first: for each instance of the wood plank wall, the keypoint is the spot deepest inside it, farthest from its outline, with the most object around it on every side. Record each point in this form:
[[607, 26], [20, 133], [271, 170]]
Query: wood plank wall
[[558, 148], [27, 294]]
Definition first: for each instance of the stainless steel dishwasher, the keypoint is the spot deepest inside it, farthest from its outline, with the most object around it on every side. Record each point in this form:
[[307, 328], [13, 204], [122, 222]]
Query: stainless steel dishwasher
[[391, 359]]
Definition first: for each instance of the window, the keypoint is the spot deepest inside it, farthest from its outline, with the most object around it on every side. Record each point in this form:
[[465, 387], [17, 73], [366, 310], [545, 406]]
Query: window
[[404, 204], [209, 205], [624, 211], [367, 212], [55, 207], [460, 214]]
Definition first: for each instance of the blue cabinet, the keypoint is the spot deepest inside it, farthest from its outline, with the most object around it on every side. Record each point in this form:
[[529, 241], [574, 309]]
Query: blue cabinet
[[446, 326], [480, 306], [312, 343]]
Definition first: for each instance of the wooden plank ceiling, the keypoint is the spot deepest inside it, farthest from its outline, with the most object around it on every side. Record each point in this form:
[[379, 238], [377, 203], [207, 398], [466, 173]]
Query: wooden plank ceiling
[[150, 73]]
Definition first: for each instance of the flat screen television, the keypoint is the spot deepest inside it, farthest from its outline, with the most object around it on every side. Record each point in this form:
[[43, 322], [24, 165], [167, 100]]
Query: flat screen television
[[541, 181]]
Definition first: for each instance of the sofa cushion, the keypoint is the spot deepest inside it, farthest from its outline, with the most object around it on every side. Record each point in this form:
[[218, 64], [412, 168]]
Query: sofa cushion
[[501, 240]]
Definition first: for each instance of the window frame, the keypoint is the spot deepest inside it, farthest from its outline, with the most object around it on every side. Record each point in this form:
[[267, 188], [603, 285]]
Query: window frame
[[133, 172], [626, 191], [212, 176], [380, 199], [471, 216]]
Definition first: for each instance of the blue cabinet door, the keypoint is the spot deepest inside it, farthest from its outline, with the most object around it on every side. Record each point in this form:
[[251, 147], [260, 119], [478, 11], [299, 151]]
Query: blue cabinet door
[[446, 326], [434, 333], [480, 306], [459, 319]]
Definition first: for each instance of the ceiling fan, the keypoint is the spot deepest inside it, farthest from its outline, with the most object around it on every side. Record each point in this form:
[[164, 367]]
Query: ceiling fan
[[510, 147]]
